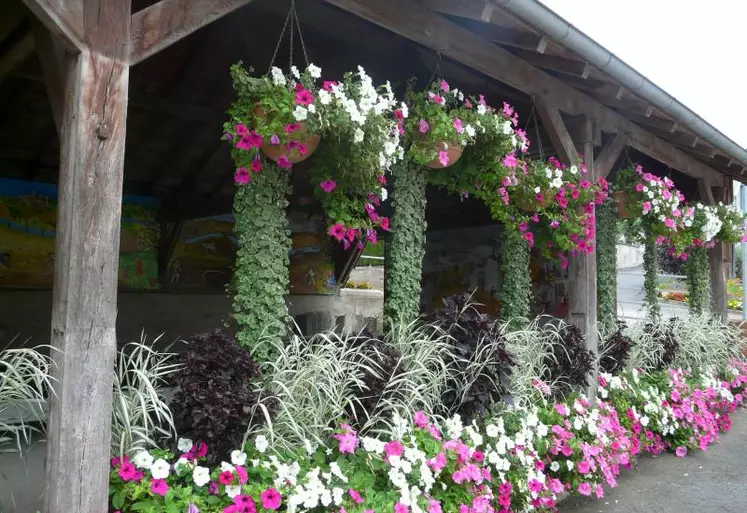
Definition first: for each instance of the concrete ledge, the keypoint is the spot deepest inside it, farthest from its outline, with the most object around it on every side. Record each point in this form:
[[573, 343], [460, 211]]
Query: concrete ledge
[[368, 293]]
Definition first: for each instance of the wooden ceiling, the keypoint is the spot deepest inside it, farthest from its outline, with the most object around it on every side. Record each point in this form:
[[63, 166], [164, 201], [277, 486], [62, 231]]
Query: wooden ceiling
[[178, 97]]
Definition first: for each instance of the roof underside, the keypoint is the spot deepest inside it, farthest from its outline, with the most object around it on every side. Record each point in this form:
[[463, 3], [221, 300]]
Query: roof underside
[[178, 97]]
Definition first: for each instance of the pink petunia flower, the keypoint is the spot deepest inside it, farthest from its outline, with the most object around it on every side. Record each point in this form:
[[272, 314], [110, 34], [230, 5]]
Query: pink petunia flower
[[443, 158], [510, 161], [394, 448], [584, 489], [328, 185], [420, 419], [284, 163], [357, 498], [681, 451], [271, 499], [458, 126], [159, 487], [423, 126], [256, 165], [401, 508], [242, 176], [304, 97], [226, 477], [127, 471], [445, 86], [384, 223], [337, 231], [241, 129]]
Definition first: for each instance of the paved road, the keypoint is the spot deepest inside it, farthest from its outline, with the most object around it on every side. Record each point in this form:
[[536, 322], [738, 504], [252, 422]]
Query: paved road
[[630, 297], [702, 482]]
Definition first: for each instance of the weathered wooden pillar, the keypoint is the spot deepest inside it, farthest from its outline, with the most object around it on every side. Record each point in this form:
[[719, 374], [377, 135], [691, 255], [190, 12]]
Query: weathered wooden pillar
[[717, 261], [89, 204], [582, 270]]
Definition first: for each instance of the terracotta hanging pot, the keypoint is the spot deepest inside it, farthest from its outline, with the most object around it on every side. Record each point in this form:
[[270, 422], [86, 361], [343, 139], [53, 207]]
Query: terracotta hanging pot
[[302, 136], [454, 151], [621, 204]]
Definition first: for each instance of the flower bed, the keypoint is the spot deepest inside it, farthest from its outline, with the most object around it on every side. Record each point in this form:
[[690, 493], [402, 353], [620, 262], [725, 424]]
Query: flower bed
[[518, 461]]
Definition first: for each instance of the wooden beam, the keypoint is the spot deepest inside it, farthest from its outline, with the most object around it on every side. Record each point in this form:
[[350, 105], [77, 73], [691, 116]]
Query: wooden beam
[[164, 23], [468, 9], [425, 27], [18, 47], [64, 18], [556, 128], [52, 58], [571, 67], [606, 159], [87, 259], [658, 123], [509, 36]]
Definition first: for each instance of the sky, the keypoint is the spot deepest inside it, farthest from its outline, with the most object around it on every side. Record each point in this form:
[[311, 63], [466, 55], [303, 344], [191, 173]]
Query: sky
[[693, 49]]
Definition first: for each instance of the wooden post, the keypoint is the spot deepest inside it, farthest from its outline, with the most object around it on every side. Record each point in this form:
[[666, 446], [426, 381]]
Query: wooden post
[[84, 304], [716, 255]]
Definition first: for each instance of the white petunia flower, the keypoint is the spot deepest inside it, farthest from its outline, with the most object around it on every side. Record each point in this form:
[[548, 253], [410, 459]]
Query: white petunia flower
[[300, 113], [226, 467], [261, 443], [359, 135], [644, 421], [182, 462], [184, 445], [507, 128], [470, 130], [481, 109], [201, 476], [311, 108], [492, 431], [542, 430], [314, 71], [238, 458], [143, 460], [384, 194], [324, 97], [569, 464], [295, 73], [574, 170], [278, 78], [160, 469], [337, 495], [554, 466], [233, 490]]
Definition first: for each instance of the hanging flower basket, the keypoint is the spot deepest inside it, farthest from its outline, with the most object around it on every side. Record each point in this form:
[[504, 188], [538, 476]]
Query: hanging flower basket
[[621, 204], [448, 155], [300, 148]]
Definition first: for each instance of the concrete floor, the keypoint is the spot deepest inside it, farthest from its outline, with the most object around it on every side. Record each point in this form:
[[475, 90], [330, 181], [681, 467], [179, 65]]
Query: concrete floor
[[702, 482]]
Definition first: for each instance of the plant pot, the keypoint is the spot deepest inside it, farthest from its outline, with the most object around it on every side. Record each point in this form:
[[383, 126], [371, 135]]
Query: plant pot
[[621, 204], [454, 151], [302, 136]]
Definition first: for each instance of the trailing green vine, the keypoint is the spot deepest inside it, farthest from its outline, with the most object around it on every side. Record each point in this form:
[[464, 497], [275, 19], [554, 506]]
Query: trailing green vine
[[606, 232], [261, 273], [698, 280], [407, 246], [517, 282], [650, 278]]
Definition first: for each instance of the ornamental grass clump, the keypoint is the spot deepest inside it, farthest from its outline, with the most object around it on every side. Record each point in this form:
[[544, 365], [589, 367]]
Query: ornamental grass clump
[[705, 342], [215, 400], [141, 417], [655, 345]]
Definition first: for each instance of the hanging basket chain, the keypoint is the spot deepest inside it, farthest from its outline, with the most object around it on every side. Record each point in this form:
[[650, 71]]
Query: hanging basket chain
[[532, 116], [292, 20]]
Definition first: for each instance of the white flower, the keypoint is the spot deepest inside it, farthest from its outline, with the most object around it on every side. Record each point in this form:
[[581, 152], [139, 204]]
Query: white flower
[[238, 458], [542, 430], [384, 194], [261, 443], [226, 467], [359, 135], [337, 494], [201, 476], [278, 78], [548, 173], [481, 109], [324, 97], [294, 72], [372, 445], [574, 170], [300, 114], [557, 183], [405, 110], [554, 466], [160, 469], [314, 71], [143, 460], [184, 444], [492, 431], [507, 128], [644, 421], [233, 490], [603, 393], [454, 427], [182, 462], [470, 130], [537, 190], [569, 463], [578, 423], [311, 108]]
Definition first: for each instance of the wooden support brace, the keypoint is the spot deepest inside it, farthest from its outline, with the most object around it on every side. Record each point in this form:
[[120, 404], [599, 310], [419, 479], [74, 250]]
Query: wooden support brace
[[64, 18], [716, 255], [553, 122], [159, 26], [608, 156], [52, 58]]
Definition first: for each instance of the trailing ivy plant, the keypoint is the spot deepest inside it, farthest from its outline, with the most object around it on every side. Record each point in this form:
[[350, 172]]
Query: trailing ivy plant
[[606, 232], [650, 278], [698, 280], [517, 283], [407, 246], [261, 273]]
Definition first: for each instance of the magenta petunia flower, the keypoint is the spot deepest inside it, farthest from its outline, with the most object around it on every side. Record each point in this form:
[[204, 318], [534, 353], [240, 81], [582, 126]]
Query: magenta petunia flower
[[127, 471], [284, 162], [357, 498], [681, 451], [371, 236], [291, 128], [423, 126], [443, 158], [445, 86], [241, 129], [328, 85], [584, 489], [420, 419], [304, 97], [401, 508], [328, 185], [242, 176], [159, 487], [226, 477], [510, 161], [458, 126], [275, 140], [271, 499], [256, 165], [384, 223], [337, 231]]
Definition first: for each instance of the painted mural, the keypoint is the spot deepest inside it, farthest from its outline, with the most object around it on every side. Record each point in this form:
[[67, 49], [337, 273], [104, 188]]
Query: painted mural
[[205, 251], [28, 220]]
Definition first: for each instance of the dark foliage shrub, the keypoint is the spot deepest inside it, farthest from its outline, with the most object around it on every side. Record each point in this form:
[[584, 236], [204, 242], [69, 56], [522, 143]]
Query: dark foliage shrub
[[570, 363], [668, 264], [470, 330], [616, 351], [664, 334], [214, 399]]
